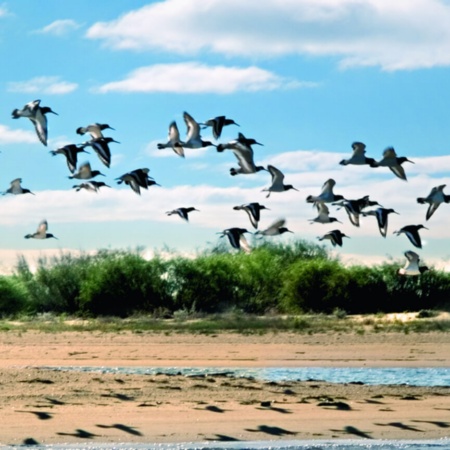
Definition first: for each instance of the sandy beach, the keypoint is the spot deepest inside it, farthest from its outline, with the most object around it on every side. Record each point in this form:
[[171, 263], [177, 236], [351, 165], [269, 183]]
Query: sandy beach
[[38, 405]]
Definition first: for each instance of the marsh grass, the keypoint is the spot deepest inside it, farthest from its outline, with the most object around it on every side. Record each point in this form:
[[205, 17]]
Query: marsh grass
[[235, 322]]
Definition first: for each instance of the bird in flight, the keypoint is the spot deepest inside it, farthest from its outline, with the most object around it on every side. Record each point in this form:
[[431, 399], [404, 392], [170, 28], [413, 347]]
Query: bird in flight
[[41, 232], [37, 115]]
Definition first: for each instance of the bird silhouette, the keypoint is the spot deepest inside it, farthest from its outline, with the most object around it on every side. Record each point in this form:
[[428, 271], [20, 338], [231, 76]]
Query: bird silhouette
[[37, 115], [412, 266], [394, 162], [326, 195], [359, 157], [85, 172], [253, 210], [354, 208], [412, 233], [173, 141], [16, 188], [277, 182], [334, 236], [41, 232], [381, 214], [90, 186], [434, 200], [182, 212], [95, 130], [323, 214], [275, 229], [70, 151], [236, 238], [217, 124]]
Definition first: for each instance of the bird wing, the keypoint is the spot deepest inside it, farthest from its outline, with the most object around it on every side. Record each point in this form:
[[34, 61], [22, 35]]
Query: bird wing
[[277, 176], [389, 153], [174, 134], [217, 126], [244, 155], [40, 124], [193, 128], [398, 171], [42, 227], [273, 229], [85, 171], [359, 149], [101, 147]]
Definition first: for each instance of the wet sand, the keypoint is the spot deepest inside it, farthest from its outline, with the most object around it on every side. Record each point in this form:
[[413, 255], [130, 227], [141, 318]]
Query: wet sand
[[38, 405]]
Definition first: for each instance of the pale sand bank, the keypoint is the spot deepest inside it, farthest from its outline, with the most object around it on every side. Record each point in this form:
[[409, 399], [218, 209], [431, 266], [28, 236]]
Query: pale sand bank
[[55, 407]]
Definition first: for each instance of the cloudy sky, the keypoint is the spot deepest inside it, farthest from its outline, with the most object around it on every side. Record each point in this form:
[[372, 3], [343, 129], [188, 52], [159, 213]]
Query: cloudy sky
[[306, 78]]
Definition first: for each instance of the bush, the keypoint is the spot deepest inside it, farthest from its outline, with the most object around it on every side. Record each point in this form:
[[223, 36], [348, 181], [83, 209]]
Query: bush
[[204, 284], [121, 284], [315, 286], [13, 296]]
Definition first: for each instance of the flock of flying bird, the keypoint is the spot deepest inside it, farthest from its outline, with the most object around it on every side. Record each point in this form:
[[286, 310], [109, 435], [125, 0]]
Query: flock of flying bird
[[242, 149]]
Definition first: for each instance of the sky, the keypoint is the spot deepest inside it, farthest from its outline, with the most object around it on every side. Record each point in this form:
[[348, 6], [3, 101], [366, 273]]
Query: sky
[[306, 78]]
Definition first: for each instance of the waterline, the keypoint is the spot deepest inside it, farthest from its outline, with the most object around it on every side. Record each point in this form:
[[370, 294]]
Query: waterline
[[421, 376]]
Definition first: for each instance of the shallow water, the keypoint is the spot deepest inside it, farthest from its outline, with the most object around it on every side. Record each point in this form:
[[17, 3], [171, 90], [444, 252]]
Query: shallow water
[[347, 444], [422, 376]]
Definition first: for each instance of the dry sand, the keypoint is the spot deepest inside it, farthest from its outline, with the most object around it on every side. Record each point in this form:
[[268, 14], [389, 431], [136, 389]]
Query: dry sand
[[38, 405]]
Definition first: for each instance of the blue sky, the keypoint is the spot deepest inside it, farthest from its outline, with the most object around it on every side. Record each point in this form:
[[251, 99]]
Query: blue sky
[[304, 77]]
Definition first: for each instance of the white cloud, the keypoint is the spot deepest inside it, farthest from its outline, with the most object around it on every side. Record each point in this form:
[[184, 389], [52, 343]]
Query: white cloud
[[43, 85], [195, 78], [60, 27], [9, 136], [404, 34]]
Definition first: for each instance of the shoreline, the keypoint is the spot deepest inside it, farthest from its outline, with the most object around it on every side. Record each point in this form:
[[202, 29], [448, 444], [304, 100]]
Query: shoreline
[[56, 407]]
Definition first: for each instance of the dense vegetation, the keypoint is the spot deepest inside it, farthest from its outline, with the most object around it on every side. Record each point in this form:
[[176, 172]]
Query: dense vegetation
[[274, 278]]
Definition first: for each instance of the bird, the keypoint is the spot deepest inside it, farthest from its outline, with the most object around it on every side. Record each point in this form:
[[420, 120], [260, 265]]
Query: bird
[[174, 141], [326, 195], [253, 210], [137, 179], [16, 188], [70, 151], [412, 233], [277, 182], [412, 266], [394, 162], [355, 207], [335, 237], [434, 199], [41, 232], [94, 129], [247, 141], [240, 140], [193, 138], [358, 157], [37, 115], [244, 155], [381, 215], [90, 186], [217, 124], [236, 237], [85, 173], [275, 229], [182, 212], [323, 214], [101, 147]]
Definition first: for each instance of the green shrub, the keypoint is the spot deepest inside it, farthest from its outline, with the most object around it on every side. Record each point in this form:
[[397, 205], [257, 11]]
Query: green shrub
[[204, 284], [13, 296], [121, 284], [317, 285]]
